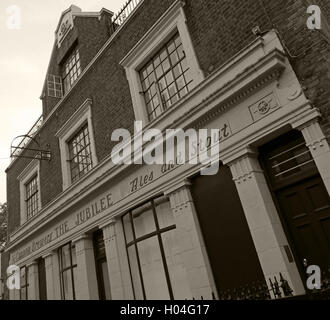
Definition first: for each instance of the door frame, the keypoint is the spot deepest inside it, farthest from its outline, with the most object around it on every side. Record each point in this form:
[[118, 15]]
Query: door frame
[[264, 150]]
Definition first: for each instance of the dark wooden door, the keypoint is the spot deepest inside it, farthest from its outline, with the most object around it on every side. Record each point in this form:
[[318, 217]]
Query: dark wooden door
[[42, 280], [302, 199], [306, 206]]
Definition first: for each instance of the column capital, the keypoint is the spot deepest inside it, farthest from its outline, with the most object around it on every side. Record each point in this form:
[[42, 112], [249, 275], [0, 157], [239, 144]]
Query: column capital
[[177, 186], [32, 263], [108, 223], [313, 135], [84, 236], [310, 116], [49, 254], [243, 164], [237, 154]]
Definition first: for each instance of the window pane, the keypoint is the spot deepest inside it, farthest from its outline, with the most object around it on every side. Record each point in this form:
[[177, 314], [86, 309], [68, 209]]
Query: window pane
[[164, 212], [73, 253], [80, 154], [135, 273], [23, 276], [178, 275], [65, 255], [67, 285], [152, 268], [170, 63], [143, 219], [128, 228]]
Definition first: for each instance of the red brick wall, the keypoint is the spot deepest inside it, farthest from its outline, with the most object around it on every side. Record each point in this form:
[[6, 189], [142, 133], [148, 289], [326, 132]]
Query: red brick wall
[[218, 28]]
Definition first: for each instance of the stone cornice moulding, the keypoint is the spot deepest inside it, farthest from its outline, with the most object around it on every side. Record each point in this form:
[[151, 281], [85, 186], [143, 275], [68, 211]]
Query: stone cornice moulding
[[84, 108], [176, 187], [33, 165]]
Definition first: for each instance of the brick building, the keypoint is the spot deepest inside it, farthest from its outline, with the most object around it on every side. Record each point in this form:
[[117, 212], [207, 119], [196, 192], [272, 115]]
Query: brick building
[[82, 227]]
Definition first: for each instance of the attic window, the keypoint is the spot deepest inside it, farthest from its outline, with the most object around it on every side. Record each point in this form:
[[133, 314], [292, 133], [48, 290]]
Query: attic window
[[54, 84], [71, 70]]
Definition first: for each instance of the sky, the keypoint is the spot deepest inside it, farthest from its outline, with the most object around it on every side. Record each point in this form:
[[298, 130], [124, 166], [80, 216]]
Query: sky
[[24, 58]]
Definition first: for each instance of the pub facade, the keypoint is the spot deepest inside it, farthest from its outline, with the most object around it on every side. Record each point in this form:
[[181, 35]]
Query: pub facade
[[83, 227]]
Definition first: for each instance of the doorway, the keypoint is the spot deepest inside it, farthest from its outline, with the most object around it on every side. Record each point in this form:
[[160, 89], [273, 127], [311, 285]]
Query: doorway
[[301, 197]]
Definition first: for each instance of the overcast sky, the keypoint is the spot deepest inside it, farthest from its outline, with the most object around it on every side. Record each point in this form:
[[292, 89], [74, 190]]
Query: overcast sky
[[24, 57]]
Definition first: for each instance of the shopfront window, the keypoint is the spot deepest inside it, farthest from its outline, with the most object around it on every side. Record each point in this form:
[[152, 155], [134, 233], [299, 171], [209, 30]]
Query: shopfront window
[[68, 267], [24, 283], [154, 253]]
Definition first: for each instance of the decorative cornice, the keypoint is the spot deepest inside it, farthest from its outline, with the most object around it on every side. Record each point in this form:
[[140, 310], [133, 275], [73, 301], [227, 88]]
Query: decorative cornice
[[107, 224], [85, 107], [270, 75], [243, 163]]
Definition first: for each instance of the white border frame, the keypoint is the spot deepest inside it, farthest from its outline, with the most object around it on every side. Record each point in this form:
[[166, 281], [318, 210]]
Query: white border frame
[[173, 19], [32, 169], [83, 114]]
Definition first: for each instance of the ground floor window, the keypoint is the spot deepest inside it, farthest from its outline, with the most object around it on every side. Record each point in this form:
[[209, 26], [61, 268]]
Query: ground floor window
[[24, 283], [101, 266], [68, 271], [154, 253]]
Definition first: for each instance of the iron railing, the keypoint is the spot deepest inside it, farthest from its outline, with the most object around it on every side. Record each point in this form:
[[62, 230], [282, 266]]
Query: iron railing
[[277, 288], [119, 18], [16, 150]]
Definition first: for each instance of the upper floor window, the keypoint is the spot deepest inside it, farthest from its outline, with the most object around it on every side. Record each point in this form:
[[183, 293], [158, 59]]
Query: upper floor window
[[162, 67], [54, 85], [32, 201], [80, 156], [71, 70], [166, 77], [29, 184], [77, 145]]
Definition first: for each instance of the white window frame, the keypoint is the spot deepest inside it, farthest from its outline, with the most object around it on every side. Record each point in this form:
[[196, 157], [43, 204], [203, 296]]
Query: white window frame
[[27, 174], [173, 20], [68, 130]]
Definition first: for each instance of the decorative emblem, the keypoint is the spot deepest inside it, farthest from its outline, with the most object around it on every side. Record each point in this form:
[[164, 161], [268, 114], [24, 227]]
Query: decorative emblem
[[64, 27], [264, 106]]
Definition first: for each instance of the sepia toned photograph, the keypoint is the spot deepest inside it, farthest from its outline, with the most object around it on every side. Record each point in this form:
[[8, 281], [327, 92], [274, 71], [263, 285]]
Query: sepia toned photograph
[[166, 151]]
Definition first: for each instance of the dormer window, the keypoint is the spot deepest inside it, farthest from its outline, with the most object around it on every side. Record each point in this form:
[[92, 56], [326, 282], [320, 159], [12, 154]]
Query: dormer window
[[71, 70], [54, 85]]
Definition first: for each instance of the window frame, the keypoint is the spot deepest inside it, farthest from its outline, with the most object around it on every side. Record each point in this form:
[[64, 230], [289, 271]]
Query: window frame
[[27, 174], [33, 197], [134, 243], [173, 21], [62, 270], [72, 155], [164, 75], [52, 82], [68, 66], [77, 120]]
